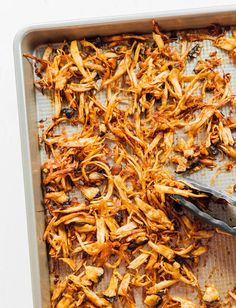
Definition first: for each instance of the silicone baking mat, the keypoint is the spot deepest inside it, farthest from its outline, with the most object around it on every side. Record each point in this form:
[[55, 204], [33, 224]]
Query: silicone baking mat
[[218, 266]]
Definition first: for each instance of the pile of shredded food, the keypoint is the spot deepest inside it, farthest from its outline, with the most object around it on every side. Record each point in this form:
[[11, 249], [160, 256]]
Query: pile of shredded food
[[111, 223]]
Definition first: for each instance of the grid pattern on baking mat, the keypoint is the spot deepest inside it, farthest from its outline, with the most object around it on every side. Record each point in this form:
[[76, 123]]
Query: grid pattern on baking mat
[[218, 266]]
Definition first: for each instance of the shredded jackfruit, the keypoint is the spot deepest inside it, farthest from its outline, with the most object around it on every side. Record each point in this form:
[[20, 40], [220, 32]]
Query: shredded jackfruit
[[117, 159]]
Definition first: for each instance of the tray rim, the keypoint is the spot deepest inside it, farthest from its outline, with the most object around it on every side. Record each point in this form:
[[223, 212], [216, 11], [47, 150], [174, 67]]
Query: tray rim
[[19, 36]]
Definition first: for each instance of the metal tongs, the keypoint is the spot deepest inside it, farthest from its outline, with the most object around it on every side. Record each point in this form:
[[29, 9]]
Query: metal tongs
[[216, 196]]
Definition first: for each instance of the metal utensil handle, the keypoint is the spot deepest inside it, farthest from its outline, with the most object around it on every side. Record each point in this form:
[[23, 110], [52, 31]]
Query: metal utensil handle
[[203, 215], [207, 189]]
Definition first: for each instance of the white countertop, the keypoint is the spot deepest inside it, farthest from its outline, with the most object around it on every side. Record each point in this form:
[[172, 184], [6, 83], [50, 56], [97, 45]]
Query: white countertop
[[15, 282]]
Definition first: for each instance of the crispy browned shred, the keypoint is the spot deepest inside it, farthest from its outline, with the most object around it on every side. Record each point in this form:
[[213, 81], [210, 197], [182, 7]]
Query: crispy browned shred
[[116, 156]]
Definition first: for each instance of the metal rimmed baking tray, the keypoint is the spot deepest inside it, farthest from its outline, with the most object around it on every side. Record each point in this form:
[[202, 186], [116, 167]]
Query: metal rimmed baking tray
[[28, 40]]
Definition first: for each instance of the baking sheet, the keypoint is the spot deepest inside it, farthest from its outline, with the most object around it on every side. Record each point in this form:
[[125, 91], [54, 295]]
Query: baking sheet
[[218, 266]]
